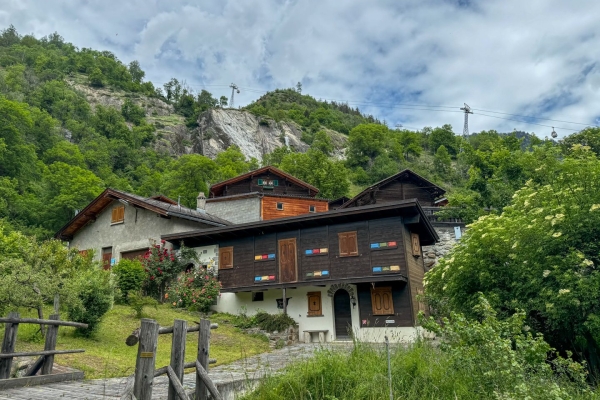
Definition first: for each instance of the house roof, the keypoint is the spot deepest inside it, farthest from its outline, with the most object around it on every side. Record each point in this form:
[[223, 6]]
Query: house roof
[[161, 205], [409, 209], [217, 188], [426, 184]]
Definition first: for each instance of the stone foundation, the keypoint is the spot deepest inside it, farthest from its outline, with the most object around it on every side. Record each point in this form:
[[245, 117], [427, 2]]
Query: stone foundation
[[432, 254], [277, 339]]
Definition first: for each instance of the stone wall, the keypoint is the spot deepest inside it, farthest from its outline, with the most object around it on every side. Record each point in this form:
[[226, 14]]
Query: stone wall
[[432, 254], [237, 211], [277, 339]]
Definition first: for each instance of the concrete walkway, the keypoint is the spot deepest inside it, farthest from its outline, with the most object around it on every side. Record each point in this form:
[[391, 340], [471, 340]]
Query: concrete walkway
[[231, 379]]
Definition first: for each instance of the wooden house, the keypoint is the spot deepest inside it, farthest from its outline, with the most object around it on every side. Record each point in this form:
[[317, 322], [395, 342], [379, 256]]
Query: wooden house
[[263, 194], [355, 271], [404, 185]]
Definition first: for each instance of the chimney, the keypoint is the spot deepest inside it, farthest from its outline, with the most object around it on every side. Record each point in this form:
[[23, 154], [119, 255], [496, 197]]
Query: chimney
[[201, 202]]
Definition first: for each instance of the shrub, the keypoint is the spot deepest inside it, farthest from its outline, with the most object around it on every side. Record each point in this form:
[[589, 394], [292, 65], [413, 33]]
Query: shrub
[[94, 298], [129, 278], [137, 302], [196, 290], [162, 266]]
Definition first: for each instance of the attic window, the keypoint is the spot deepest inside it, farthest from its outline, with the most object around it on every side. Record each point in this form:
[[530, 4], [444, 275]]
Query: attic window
[[312, 209], [268, 183], [280, 206], [118, 215]]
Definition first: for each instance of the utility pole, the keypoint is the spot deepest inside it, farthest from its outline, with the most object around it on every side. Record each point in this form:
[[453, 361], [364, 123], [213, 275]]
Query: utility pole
[[234, 88], [467, 111]]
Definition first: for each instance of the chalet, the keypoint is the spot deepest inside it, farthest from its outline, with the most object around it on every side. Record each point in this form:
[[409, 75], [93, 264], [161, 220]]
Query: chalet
[[354, 271], [119, 225], [404, 185], [263, 194]]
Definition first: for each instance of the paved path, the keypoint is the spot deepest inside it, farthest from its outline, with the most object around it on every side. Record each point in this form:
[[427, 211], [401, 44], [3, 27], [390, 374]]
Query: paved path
[[237, 373]]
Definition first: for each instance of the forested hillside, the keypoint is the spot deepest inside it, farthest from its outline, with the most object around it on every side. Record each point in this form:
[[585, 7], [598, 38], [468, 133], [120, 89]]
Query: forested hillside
[[59, 149]]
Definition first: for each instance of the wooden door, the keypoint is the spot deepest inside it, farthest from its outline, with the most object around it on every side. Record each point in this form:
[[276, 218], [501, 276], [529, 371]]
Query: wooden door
[[106, 258], [288, 271], [342, 314]]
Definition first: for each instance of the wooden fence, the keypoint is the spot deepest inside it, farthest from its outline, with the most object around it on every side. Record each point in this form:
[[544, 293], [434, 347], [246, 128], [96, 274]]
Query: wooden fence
[[140, 385], [44, 363]]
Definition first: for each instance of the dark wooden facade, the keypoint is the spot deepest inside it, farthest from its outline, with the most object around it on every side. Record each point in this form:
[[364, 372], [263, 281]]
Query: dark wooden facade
[[404, 185], [264, 180], [308, 252]]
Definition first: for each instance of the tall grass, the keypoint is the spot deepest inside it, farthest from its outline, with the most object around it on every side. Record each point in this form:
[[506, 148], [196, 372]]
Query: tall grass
[[419, 371]]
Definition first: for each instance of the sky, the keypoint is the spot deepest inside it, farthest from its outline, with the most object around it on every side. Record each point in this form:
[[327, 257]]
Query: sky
[[409, 62]]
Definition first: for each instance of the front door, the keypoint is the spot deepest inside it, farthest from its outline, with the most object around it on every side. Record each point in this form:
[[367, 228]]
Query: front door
[[287, 261], [106, 257], [343, 314]]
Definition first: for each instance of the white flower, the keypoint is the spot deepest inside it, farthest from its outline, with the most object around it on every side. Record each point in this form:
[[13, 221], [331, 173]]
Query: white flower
[[549, 217], [588, 263], [595, 207], [557, 234], [563, 291], [515, 244], [546, 273]]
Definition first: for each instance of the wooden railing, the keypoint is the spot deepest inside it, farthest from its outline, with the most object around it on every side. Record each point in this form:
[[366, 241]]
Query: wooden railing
[[44, 363], [430, 212], [140, 386]]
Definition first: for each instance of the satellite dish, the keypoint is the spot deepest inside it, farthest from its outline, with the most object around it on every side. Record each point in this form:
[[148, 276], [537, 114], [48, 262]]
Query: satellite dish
[[554, 134]]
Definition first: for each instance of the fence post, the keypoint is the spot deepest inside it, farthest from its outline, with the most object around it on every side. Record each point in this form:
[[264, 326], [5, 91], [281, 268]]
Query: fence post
[[177, 355], [50, 344], [8, 345], [146, 358], [203, 353]]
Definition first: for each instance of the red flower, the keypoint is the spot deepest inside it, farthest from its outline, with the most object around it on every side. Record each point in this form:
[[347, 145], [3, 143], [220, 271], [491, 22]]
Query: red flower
[[152, 278]]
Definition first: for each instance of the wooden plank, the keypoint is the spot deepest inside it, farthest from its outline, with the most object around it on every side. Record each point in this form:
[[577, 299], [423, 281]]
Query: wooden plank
[[35, 367], [8, 345], [291, 206], [177, 386], [42, 322], [202, 358], [203, 376], [39, 380], [177, 357], [50, 344], [40, 353], [146, 358]]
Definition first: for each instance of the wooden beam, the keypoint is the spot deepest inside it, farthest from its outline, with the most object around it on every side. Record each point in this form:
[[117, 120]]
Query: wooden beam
[[40, 380], [40, 353], [175, 369], [202, 359], [8, 345], [50, 344], [42, 322], [203, 375], [177, 386], [146, 358]]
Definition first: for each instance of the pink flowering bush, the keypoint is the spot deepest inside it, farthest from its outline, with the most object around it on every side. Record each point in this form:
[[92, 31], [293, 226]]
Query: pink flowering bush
[[162, 265], [195, 290]]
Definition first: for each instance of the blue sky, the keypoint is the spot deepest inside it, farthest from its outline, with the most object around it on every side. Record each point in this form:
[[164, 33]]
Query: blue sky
[[538, 57]]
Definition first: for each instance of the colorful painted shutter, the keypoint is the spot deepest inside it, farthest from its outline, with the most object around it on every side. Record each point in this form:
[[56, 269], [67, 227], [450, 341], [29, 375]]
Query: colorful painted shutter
[[382, 301], [225, 257]]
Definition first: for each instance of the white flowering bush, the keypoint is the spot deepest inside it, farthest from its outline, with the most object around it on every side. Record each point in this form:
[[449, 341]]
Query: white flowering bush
[[541, 255]]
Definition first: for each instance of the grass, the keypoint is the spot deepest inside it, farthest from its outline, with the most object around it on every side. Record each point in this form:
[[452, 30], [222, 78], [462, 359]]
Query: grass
[[107, 356], [167, 120], [419, 372]]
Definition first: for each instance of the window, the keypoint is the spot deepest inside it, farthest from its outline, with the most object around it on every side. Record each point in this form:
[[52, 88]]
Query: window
[[258, 296], [314, 304], [118, 215], [348, 244], [382, 301], [107, 260], [226, 257], [416, 244], [312, 208], [280, 206]]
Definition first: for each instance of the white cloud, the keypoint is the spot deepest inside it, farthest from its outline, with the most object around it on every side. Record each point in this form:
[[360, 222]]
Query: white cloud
[[535, 58]]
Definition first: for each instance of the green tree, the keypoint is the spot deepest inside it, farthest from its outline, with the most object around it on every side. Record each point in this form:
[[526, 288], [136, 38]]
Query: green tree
[[223, 101], [322, 142], [365, 142], [411, 144], [137, 75], [443, 136], [540, 256], [189, 175], [132, 112], [96, 78], [232, 162], [442, 161]]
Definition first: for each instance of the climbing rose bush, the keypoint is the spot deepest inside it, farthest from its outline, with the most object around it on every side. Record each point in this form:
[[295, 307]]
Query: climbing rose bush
[[195, 290], [162, 265]]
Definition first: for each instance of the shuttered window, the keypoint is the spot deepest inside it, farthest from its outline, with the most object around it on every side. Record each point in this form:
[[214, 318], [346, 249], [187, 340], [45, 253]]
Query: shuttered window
[[314, 304], [118, 215], [382, 301], [416, 244], [225, 257], [348, 244]]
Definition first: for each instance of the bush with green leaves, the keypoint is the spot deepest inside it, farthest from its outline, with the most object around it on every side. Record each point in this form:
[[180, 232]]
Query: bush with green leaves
[[162, 265], [129, 277], [541, 255], [196, 290], [95, 291], [137, 302]]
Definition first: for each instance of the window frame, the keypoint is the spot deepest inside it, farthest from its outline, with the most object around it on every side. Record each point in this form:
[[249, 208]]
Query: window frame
[[221, 251], [382, 290], [319, 312], [258, 296], [355, 243], [114, 217], [277, 206], [312, 208]]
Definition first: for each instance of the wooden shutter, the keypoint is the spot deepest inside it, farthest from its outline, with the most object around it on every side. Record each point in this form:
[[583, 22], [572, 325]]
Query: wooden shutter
[[225, 257], [118, 215], [416, 244], [382, 301], [348, 244], [314, 304]]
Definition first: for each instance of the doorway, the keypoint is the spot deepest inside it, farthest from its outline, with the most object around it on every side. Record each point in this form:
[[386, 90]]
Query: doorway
[[288, 271], [342, 314]]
